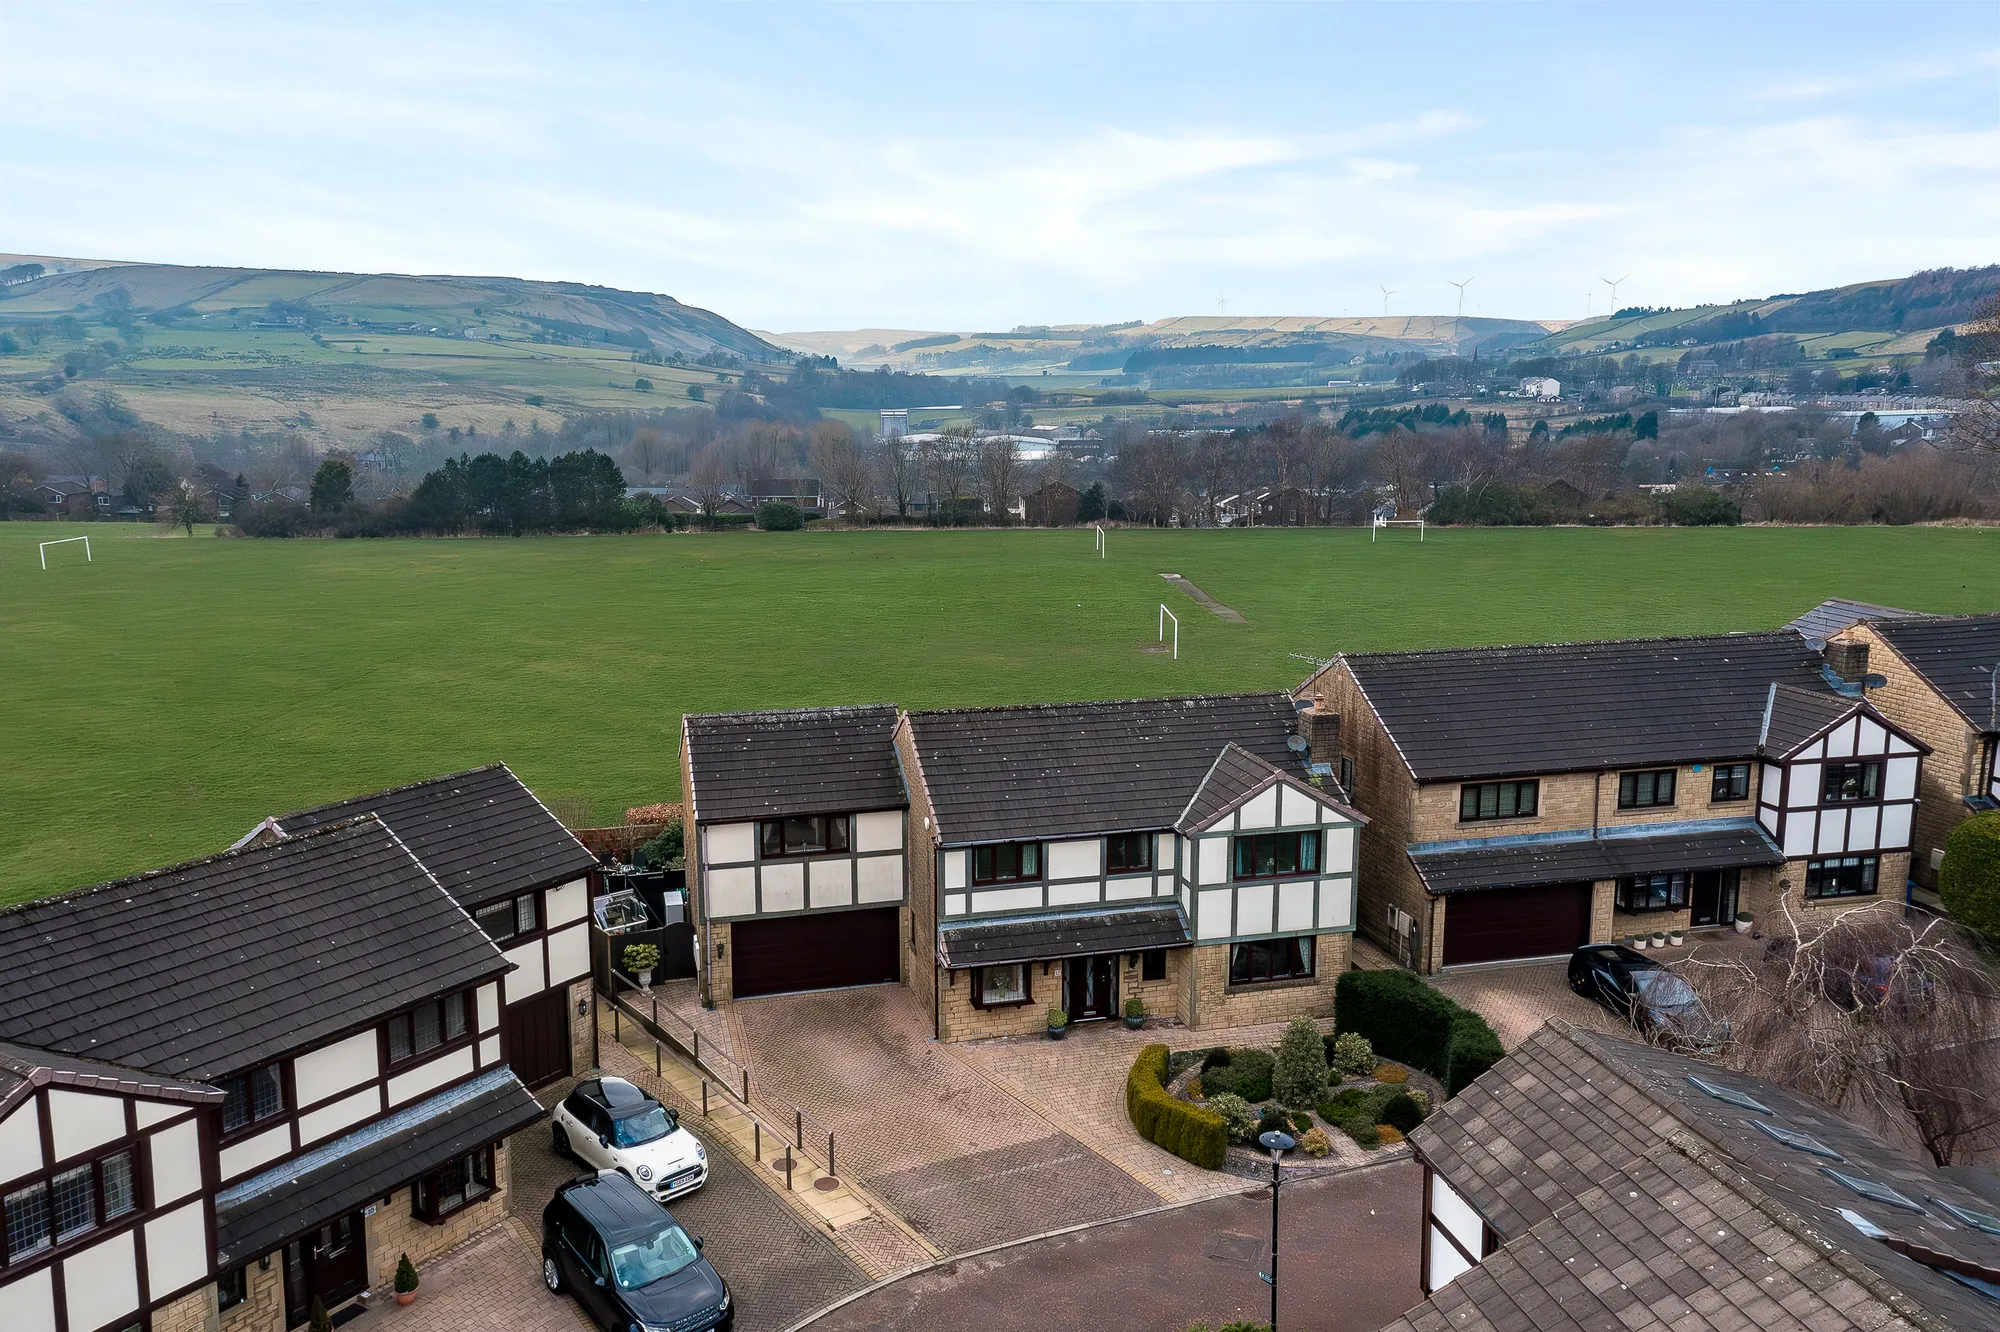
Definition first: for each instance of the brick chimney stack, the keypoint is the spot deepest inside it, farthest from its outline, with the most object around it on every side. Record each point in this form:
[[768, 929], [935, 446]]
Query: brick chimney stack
[[1322, 732], [1849, 661]]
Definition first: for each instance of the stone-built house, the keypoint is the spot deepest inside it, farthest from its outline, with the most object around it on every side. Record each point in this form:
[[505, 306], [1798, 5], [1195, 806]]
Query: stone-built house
[[232, 1087], [1051, 504], [1938, 681], [795, 849], [522, 877], [1588, 1181], [1526, 800], [1004, 861]]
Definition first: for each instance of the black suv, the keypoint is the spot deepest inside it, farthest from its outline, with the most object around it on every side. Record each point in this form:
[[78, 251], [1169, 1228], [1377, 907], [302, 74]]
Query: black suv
[[627, 1262]]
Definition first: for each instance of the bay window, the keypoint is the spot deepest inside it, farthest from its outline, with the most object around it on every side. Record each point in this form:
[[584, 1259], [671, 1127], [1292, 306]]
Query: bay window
[[1842, 876], [455, 1186], [1000, 986], [1262, 960]]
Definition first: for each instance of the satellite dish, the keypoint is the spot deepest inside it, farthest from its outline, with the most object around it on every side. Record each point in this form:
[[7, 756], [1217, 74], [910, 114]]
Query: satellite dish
[[1296, 743]]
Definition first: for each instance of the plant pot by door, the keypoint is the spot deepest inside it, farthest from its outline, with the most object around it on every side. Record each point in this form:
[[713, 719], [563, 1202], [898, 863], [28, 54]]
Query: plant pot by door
[[406, 1298], [646, 980], [1057, 1033]]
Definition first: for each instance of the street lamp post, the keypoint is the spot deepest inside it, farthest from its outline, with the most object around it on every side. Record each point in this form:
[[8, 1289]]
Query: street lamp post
[[1277, 1142]]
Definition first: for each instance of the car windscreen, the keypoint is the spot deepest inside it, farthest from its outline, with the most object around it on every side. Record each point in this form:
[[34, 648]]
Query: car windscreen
[[636, 1263], [648, 1125], [1663, 989]]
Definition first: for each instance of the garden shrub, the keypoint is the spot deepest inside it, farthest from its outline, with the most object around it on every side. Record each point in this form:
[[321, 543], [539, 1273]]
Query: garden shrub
[[1194, 1134], [1219, 1057], [1248, 1074], [1388, 1134], [1299, 1072], [1272, 1120], [1411, 1023], [1969, 879], [778, 516], [1401, 1112], [1363, 1132], [1302, 1123], [1180, 1061], [1422, 1099], [1393, 1074], [1315, 1142], [1238, 1116], [1350, 1054]]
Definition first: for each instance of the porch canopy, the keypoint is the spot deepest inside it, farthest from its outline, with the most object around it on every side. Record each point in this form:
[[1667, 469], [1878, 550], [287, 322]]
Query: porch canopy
[[1455, 867], [1051, 937]]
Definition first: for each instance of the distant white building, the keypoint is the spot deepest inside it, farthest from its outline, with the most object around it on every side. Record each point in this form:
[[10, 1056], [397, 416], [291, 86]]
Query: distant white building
[[895, 423], [1541, 388]]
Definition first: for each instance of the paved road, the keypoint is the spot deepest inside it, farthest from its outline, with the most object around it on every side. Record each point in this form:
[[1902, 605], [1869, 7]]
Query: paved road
[[778, 1267], [1349, 1264]]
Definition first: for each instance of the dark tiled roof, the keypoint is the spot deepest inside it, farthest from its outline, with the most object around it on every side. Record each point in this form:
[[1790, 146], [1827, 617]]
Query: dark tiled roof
[[1584, 1151], [1044, 938], [1797, 715], [261, 1213], [23, 1067], [1072, 769], [1837, 613], [1565, 707], [766, 765], [1571, 857], [1957, 655], [481, 832], [1236, 775], [210, 967]]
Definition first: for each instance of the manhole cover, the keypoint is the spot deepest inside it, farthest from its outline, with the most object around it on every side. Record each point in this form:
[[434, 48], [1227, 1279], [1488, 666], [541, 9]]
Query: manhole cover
[[1256, 1193], [1230, 1247], [826, 1183]]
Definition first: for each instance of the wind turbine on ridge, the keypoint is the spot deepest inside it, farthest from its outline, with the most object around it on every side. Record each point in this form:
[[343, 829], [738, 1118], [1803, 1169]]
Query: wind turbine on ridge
[[1613, 283], [1386, 294], [1461, 309]]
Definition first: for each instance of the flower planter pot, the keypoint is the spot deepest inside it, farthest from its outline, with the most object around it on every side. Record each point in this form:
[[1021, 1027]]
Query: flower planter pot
[[645, 980], [1638, 942], [1057, 1033], [1676, 938], [406, 1298], [1742, 926], [1136, 1023], [1659, 939]]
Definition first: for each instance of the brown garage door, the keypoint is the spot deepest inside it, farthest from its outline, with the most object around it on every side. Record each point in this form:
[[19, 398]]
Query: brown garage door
[[1541, 920], [812, 952], [538, 1036]]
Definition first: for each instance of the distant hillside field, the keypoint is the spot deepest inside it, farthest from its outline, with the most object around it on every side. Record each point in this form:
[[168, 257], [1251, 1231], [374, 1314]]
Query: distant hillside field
[[163, 698]]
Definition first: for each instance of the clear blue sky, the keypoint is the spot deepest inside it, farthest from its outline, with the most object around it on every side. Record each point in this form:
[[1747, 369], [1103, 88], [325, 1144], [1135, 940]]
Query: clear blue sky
[[969, 166]]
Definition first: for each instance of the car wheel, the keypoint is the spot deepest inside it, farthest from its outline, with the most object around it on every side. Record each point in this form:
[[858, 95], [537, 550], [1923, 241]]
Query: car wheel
[[560, 1141], [552, 1274]]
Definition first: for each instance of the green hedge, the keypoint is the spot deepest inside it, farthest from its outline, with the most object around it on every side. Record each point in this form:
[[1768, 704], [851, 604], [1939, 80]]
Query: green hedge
[[1188, 1131], [1969, 879], [1411, 1023]]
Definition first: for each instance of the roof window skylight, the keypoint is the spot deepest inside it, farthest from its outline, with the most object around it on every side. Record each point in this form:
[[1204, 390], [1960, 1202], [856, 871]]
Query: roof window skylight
[[1985, 1221], [1869, 1189], [1798, 1141], [1731, 1095]]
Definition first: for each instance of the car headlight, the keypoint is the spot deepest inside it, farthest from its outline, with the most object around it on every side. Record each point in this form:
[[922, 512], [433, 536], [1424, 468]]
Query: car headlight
[[700, 1152], [645, 1173], [724, 1306]]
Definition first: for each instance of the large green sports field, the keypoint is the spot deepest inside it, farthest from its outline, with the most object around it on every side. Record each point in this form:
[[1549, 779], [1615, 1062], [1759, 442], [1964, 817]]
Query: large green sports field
[[156, 702]]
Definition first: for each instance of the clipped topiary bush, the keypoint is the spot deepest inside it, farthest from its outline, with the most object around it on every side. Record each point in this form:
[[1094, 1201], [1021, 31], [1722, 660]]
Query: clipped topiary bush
[[1393, 1074], [1248, 1074], [1350, 1054], [1969, 879], [1194, 1134], [1315, 1142], [1237, 1115], [1400, 1112], [1298, 1077], [1411, 1023]]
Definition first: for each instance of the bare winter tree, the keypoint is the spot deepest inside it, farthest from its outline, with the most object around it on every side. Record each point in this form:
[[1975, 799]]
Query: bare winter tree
[[999, 475], [900, 474], [1058, 468], [1214, 467], [1893, 1021], [1150, 470], [181, 505], [707, 479], [1402, 460], [946, 460], [1332, 464], [648, 451], [843, 468]]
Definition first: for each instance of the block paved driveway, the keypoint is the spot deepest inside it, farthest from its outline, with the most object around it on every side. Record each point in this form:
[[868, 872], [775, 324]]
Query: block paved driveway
[[1347, 1263], [778, 1268], [958, 1156]]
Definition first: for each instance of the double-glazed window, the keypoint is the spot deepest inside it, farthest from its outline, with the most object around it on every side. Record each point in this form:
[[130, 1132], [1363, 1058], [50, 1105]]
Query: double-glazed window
[[1652, 892], [1730, 781], [1270, 960], [67, 1204], [1009, 862], [1275, 855], [1644, 790], [433, 1023], [251, 1098], [1000, 986], [459, 1184], [823, 834], [1498, 800], [1842, 782], [232, 1287], [1842, 876], [1153, 964], [515, 915], [1126, 852]]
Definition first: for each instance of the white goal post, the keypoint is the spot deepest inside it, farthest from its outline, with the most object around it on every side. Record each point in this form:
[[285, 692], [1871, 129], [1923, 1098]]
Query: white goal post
[[1166, 615], [1101, 544], [1381, 523], [63, 541]]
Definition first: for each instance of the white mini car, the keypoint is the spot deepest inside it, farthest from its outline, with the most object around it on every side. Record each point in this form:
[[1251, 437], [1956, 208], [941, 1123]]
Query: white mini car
[[609, 1124]]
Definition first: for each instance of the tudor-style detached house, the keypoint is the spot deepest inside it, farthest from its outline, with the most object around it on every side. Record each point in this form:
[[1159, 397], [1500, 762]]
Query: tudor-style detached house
[[1592, 1182], [521, 875], [795, 849], [1526, 800], [1179, 851], [236, 1086]]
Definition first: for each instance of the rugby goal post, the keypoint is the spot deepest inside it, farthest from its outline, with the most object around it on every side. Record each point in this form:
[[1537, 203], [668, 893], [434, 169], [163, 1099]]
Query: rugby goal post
[[1381, 522], [1101, 544], [64, 541], [1166, 615]]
